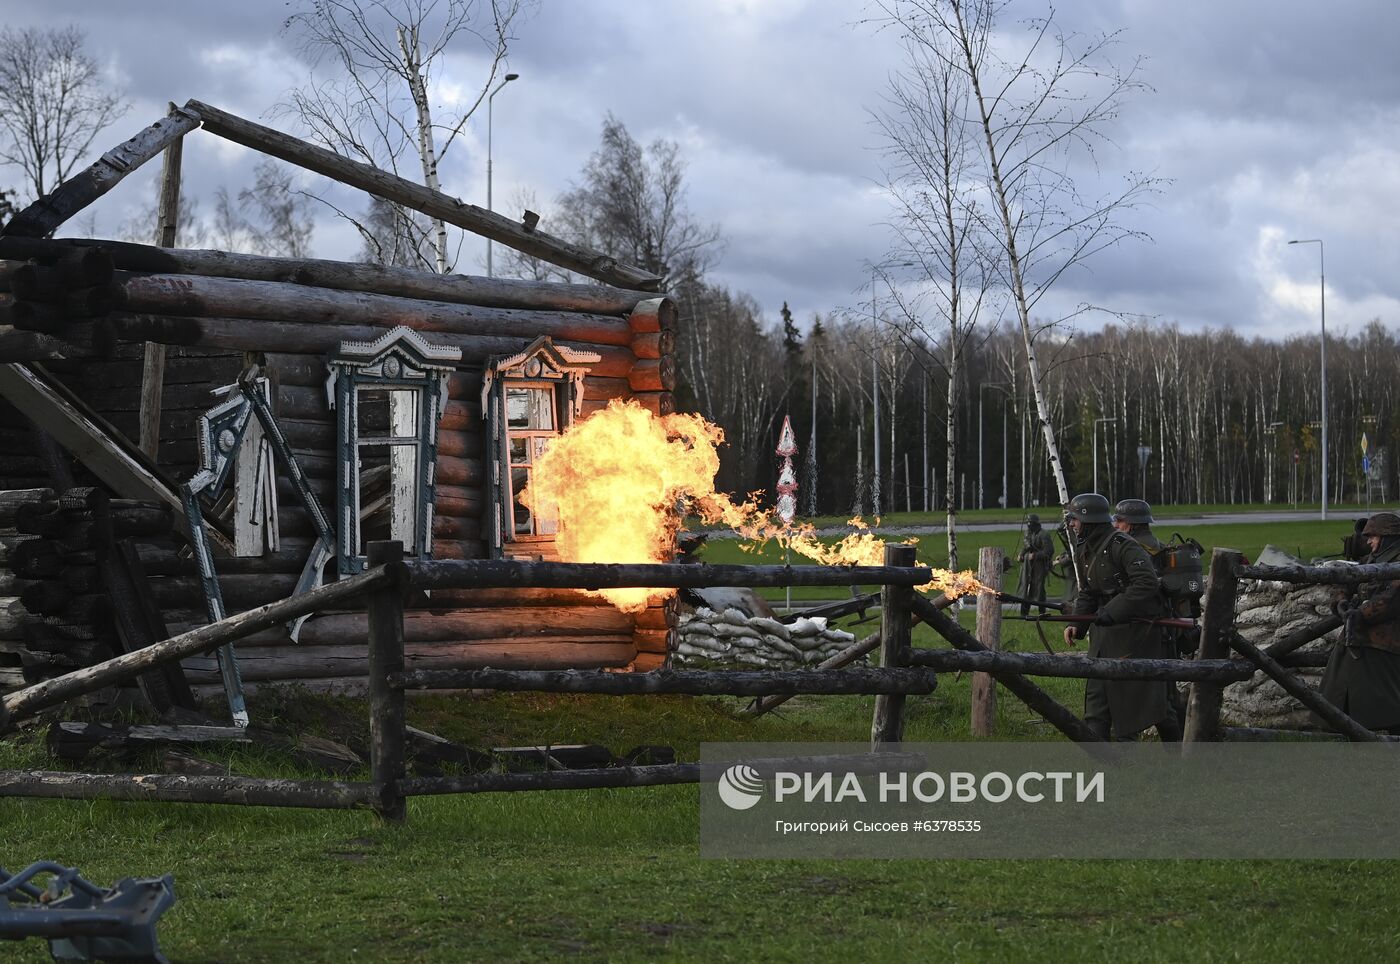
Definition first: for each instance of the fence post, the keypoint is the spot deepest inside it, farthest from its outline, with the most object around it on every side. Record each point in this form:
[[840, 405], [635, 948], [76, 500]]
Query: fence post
[[896, 623], [1217, 627], [387, 737], [984, 687]]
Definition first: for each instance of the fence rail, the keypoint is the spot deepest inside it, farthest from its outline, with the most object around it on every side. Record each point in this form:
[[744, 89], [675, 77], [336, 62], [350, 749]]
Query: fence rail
[[905, 671]]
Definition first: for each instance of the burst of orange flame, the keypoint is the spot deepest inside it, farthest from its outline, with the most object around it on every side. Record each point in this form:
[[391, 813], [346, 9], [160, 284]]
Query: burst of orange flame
[[621, 480]]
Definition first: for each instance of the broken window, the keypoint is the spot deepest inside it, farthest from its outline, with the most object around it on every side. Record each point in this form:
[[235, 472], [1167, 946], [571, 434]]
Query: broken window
[[389, 394], [528, 399]]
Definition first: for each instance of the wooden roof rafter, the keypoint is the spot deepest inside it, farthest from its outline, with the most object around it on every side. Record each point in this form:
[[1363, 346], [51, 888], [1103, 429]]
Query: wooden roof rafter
[[42, 217]]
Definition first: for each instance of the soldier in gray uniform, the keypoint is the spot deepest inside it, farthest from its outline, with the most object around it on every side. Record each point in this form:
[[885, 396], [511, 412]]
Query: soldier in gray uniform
[[1134, 517], [1362, 678], [1117, 583], [1036, 552]]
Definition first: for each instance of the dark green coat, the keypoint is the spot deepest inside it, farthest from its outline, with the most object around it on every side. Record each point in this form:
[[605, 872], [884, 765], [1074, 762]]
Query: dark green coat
[[1036, 552], [1149, 541], [1117, 577], [1363, 680]]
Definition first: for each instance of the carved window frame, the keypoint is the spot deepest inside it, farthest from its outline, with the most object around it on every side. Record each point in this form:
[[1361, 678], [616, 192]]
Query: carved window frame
[[400, 360], [543, 366]]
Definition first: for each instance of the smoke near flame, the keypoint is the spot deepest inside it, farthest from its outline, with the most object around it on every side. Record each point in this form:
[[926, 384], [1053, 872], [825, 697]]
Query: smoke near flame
[[621, 481]]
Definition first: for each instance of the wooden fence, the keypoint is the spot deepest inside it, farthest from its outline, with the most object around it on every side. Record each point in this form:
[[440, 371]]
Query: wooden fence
[[905, 671]]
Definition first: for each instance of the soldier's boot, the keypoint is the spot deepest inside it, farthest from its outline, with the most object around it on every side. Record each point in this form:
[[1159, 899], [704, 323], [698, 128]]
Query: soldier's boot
[[1169, 728], [1096, 714]]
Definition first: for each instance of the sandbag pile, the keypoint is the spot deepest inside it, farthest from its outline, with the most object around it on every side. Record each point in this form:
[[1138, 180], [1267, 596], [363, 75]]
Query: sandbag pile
[[709, 638], [1265, 613]]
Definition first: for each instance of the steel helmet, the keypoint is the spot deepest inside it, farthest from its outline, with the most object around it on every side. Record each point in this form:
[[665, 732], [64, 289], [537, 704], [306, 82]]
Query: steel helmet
[[1382, 524], [1089, 507], [1033, 518], [1134, 511]]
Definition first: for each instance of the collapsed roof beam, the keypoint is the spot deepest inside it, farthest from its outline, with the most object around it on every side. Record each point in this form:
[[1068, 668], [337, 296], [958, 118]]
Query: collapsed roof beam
[[93, 441], [42, 217], [435, 204]]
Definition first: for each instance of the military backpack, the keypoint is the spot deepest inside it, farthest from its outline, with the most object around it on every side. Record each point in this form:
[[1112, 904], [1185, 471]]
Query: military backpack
[[1182, 574]]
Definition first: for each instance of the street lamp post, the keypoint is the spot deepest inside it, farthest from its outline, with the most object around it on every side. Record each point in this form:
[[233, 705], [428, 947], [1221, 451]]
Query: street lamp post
[[875, 394], [1096, 449], [490, 103], [1271, 431], [1322, 292]]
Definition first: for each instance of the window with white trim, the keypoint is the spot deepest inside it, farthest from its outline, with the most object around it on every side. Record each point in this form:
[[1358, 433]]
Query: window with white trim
[[528, 399]]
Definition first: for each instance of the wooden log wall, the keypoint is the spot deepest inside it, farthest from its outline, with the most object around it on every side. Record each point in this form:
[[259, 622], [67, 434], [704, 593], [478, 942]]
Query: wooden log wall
[[213, 308], [25, 654]]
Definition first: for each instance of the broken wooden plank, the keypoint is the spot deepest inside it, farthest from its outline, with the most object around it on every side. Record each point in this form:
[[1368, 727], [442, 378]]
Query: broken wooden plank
[[34, 698], [432, 203], [74, 741]]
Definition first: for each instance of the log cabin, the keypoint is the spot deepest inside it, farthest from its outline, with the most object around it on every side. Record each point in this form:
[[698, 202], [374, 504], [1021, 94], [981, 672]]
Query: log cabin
[[403, 405]]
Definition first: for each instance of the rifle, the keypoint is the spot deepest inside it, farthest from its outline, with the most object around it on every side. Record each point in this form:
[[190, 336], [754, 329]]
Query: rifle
[[1041, 603], [1170, 622]]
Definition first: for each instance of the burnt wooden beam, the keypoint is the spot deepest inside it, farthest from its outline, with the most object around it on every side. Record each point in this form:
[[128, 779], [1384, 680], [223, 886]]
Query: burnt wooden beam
[[454, 574], [343, 276], [1082, 667], [686, 682], [200, 296], [1305, 694], [1302, 637], [1035, 698], [309, 338], [44, 215], [26, 702], [432, 203], [185, 788], [1314, 575]]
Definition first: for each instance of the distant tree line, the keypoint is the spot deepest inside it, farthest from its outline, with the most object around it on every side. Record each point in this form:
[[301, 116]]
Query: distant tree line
[[1222, 415]]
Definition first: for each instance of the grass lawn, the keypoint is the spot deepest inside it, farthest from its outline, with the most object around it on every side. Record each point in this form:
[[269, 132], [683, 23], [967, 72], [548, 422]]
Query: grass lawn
[[615, 875]]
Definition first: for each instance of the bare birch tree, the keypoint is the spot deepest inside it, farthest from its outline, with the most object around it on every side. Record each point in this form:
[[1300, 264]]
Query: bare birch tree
[[1040, 112], [383, 57], [926, 146], [55, 102]]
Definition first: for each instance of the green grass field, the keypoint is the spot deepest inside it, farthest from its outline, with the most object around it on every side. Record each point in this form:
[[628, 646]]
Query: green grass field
[[615, 874]]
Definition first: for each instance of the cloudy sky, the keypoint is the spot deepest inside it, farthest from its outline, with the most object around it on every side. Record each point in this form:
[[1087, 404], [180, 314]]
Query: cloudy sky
[[1271, 120]]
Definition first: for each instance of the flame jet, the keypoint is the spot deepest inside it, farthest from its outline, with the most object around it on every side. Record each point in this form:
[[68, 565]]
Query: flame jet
[[621, 481]]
